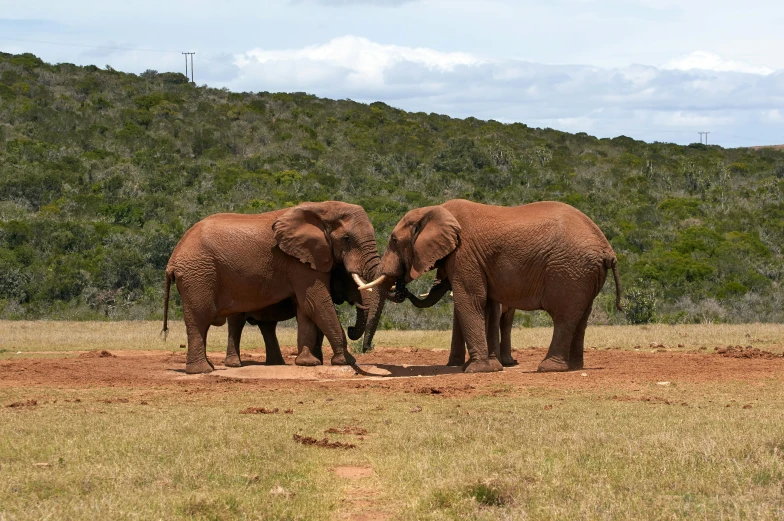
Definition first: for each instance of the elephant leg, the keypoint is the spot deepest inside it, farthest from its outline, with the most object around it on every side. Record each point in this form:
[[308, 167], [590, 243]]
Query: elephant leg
[[578, 343], [557, 358], [196, 360], [307, 337], [492, 327], [470, 311], [236, 324], [457, 351], [315, 305], [507, 320], [318, 351], [271, 345]]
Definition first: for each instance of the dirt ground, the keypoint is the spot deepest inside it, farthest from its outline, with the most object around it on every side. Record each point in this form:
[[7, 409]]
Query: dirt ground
[[390, 370]]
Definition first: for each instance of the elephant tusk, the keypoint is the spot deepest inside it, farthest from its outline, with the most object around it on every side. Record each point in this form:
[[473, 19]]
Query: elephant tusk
[[361, 284], [370, 285], [423, 295]]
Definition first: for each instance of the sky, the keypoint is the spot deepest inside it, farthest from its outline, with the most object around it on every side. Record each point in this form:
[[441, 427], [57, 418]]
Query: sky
[[656, 70]]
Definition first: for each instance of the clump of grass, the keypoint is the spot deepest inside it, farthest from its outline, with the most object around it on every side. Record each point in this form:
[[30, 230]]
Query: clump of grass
[[490, 493]]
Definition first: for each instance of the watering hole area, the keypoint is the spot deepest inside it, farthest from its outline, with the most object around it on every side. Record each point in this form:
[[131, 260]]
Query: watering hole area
[[100, 419]]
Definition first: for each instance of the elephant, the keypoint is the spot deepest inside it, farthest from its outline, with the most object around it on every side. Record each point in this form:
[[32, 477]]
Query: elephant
[[544, 255], [342, 289], [228, 264], [496, 320]]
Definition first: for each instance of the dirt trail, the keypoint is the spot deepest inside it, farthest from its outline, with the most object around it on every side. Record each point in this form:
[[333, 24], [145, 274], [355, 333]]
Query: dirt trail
[[392, 370]]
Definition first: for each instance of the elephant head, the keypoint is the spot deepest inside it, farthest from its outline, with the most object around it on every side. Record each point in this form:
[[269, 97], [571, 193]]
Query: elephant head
[[335, 237], [421, 238]]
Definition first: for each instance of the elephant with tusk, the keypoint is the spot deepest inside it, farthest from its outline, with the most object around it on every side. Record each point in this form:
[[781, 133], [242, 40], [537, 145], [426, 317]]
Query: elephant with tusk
[[229, 264], [546, 255]]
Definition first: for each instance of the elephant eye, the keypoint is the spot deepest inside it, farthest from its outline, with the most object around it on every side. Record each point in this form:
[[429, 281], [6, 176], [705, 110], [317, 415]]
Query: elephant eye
[[346, 239], [394, 240]]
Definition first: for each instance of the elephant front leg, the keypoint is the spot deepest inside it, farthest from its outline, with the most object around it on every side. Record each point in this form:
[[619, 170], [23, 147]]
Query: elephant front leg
[[271, 345], [307, 340], [236, 324], [470, 312], [457, 352], [507, 320], [196, 361]]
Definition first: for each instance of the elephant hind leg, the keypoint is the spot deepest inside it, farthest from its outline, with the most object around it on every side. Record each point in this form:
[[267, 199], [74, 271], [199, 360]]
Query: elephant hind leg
[[557, 358], [236, 323], [578, 343], [271, 345], [196, 361], [507, 320]]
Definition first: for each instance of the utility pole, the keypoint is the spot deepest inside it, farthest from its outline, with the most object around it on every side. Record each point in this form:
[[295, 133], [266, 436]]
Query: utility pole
[[192, 53], [706, 136]]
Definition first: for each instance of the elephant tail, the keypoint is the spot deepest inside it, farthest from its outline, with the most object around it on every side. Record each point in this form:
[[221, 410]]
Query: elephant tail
[[613, 263], [169, 279]]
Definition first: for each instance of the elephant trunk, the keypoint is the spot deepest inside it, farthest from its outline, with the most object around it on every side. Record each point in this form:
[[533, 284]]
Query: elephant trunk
[[438, 290], [374, 315], [370, 261]]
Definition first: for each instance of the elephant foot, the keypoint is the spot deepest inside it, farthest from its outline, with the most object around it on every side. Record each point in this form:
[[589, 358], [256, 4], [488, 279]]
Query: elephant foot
[[552, 365], [575, 364], [306, 359], [232, 361], [203, 366], [276, 360], [343, 359], [483, 366], [508, 362], [455, 362]]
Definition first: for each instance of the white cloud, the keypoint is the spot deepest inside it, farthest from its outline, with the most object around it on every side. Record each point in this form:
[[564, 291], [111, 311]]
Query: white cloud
[[709, 61], [665, 104]]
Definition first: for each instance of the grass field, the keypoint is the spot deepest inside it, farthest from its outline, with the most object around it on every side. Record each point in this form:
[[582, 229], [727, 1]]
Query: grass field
[[613, 442]]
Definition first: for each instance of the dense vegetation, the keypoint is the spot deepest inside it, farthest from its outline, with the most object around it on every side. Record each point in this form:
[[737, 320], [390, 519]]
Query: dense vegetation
[[101, 172]]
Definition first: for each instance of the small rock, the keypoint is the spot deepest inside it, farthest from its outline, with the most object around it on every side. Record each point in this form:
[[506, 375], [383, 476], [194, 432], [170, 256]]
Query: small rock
[[638, 347], [681, 345], [277, 490], [416, 409], [747, 406], [583, 374], [662, 383], [42, 465], [182, 346]]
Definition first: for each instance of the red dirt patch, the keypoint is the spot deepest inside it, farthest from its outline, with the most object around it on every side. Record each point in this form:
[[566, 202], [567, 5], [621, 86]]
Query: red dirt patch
[[745, 352], [307, 440], [97, 354]]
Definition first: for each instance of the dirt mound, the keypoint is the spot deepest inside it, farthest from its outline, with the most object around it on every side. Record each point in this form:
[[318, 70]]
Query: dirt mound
[[27, 403], [745, 352], [307, 440], [97, 354], [262, 410], [356, 431]]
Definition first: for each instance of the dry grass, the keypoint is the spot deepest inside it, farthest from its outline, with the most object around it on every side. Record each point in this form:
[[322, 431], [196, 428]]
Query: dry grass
[[518, 455], [46, 336]]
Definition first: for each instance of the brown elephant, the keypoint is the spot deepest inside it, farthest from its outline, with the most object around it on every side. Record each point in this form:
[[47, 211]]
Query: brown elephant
[[545, 255], [342, 289], [499, 321], [228, 264]]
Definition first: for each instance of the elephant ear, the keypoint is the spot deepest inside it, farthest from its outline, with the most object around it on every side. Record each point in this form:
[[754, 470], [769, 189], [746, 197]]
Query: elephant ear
[[301, 233], [435, 236]]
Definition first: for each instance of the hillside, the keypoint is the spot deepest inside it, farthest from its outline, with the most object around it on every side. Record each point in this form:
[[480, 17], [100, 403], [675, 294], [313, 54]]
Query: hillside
[[101, 172]]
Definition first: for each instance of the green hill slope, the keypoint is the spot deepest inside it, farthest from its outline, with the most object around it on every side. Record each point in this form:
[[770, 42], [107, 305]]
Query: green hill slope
[[101, 172]]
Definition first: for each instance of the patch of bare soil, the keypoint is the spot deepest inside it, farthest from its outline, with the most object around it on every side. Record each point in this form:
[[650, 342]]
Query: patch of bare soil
[[745, 352], [97, 354], [352, 472], [403, 371], [307, 440]]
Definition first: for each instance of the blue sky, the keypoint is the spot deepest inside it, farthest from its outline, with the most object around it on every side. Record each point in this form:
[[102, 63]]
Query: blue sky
[[658, 70]]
